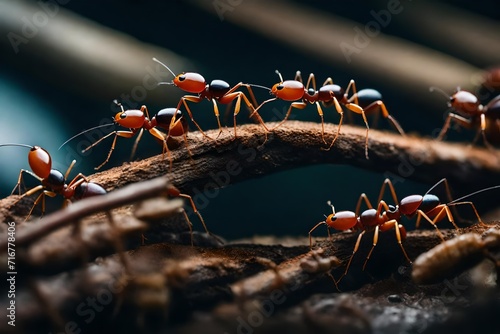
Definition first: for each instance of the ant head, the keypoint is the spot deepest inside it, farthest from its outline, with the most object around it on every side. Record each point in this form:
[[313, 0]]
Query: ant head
[[465, 102], [190, 82], [133, 119], [290, 90]]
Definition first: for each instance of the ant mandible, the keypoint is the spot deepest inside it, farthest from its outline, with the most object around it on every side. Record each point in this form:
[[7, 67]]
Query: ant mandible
[[370, 219], [53, 182], [215, 91], [329, 94], [470, 113]]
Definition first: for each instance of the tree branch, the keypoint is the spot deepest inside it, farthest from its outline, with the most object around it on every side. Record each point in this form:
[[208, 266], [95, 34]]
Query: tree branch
[[216, 164]]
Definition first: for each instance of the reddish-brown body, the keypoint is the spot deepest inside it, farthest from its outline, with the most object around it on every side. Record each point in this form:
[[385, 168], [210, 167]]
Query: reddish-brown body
[[52, 181], [471, 114], [215, 91]]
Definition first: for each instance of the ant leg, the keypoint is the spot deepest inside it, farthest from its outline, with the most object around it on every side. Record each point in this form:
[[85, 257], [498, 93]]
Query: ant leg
[[354, 96], [310, 80], [358, 110], [380, 104], [387, 182], [161, 136], [195, 99], [297, 105], [298, 77], [125, 134], [421, 214], [367, 202], [483, 129], [195, 209], [136, 142], [216, 112], [315, 227], [320, 113], [375, 241], [20, 180], [462, 121], [473, 208], [356, 246], [238, 96], [189, 224], [397, 228], [341, 112]]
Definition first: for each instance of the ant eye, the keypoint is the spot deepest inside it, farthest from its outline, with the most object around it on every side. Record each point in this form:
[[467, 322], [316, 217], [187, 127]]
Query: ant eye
[[333, 218], [181, 77], [123, 115], [279, 87]]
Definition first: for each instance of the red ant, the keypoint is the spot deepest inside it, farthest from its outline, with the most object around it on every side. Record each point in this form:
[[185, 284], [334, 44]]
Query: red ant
[[470, 113], [53, 182], [170, 119], [215, 91], [328, 94], [371, 219], [427, 206]]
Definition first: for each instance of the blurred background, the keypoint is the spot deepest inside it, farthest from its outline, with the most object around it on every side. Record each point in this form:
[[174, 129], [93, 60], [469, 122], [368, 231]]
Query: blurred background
[[63, 62]]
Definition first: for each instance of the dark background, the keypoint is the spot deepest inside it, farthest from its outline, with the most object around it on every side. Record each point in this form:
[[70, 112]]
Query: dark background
[[43, 100]]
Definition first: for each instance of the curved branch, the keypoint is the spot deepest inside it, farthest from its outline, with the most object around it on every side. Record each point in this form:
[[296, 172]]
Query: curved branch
[[215, 164]]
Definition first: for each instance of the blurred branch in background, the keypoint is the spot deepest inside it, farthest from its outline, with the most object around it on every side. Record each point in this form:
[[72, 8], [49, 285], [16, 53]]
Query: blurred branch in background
[[86, 57], [459, 33]]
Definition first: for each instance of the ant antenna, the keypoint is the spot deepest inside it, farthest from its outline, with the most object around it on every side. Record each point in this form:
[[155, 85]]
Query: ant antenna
[[474, 193], [159, 62], [333, 208], [15, 144], [278, 73], [433, 89], [259, 86], [85, 131], [434, 186], [164, 83]]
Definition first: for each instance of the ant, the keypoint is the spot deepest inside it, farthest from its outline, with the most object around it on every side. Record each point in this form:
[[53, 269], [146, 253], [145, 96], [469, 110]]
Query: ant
[[469, 113], [215, 91], [136, 121], [454, 256], [429, 206], [53, 182], [370, 219], [329, 94], [170, 119]]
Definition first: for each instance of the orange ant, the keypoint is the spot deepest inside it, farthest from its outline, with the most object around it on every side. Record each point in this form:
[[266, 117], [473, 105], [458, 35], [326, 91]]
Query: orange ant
[[170, 119], [329, 94], [136, 121], [370, 219], [53, 182], [215, 91], [427, 206], [470, 113]]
